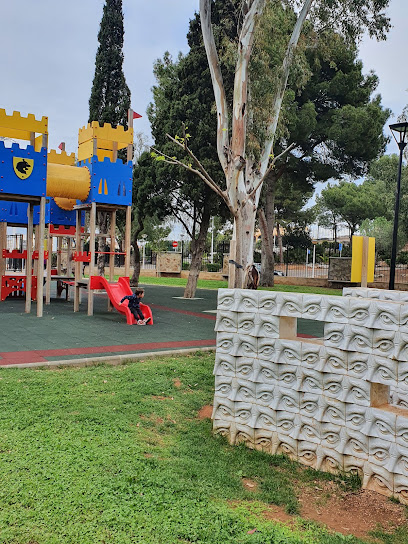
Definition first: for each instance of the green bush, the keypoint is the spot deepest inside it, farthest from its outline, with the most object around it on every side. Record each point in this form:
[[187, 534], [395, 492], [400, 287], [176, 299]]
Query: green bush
[[402, 257], [185, 266], [213, 267]]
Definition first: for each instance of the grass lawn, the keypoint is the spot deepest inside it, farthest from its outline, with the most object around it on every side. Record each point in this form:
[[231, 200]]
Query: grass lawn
[[215, 284], [117, 454]]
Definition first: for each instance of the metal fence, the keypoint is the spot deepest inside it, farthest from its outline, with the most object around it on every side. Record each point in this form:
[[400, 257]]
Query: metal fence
[[296, 263]]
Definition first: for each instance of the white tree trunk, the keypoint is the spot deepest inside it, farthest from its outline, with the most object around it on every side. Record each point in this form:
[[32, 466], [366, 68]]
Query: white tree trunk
[[244, 179]]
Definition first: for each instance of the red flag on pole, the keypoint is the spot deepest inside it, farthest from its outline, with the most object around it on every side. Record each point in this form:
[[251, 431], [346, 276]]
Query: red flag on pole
[[136, 115], [61, 145]]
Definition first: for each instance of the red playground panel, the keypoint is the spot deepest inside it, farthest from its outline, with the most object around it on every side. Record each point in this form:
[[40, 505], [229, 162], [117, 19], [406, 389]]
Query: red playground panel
[[16, 286], [61, 230], [16, 254], [81, 257]]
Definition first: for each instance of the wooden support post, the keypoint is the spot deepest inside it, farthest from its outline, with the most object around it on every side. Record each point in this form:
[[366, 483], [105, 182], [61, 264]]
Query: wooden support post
[[115, 152], [112, 246], [29, 262], [112, 255], [49, 264], [36, 247], [364, 267], [78, 273], [92, 228], [40, 267], [69, 257], [128, 228], [3, 245], [59, 255]]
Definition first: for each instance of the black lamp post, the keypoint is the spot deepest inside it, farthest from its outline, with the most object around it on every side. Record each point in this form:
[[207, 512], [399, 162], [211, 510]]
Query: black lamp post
[[400, 133]]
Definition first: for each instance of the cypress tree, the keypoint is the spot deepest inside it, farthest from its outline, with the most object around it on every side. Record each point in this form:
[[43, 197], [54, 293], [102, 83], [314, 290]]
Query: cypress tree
[[110, 95]]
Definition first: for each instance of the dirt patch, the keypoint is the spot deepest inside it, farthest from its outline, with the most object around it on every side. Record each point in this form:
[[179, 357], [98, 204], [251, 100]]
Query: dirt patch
[[160, 397], [250, 485], [205, 412], [177, 382], [355, 513]]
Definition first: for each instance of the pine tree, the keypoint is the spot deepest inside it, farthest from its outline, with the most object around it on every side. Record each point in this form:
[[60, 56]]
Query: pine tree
[[110, 95]]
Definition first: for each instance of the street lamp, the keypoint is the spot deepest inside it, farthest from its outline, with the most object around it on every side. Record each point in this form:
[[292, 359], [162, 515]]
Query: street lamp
[[400, 133]]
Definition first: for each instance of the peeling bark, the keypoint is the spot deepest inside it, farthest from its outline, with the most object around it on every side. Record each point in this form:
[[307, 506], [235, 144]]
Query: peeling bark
[[267, 224]]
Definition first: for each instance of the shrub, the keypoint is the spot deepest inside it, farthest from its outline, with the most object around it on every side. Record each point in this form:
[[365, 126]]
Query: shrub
[[402, 257]]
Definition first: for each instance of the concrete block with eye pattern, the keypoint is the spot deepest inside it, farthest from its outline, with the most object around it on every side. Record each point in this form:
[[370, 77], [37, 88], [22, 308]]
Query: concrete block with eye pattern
[[382, 370], [289, 352], [267, 302], [334, 361], [337, 309], [355, 292], [313, 356], [225, 365], [401, 487], [322, 402], [227, 322], [264, 440], [289, 304], [329, 460], [313, 307], [310, 381], [377, 478], [307, 453], [399, 397], [285, 444], [258, 325], [384, 315], [310, 429], [401, 430]]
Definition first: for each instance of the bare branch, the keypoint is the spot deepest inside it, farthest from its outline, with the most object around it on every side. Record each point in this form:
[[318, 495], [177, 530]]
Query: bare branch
[[270, 168], [217, 82], [208, 181], [185, 148], [286, 64]]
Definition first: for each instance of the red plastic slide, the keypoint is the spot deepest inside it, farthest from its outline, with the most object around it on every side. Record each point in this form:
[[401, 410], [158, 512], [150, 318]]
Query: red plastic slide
[[116, 291]]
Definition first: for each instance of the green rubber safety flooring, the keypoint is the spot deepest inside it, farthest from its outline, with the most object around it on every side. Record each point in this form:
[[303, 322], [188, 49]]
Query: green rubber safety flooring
[[62, 334]]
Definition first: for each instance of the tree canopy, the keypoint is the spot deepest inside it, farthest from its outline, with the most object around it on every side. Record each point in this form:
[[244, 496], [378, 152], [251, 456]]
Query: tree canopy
[[110, 95], [246, 165], [353, 203]]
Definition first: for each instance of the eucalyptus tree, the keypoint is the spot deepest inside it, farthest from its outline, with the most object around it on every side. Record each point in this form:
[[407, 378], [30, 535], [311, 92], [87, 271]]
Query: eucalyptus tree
[[245, 166]]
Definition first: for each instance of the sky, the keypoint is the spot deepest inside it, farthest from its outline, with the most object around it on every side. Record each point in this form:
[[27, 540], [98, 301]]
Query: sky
[[49, 46]]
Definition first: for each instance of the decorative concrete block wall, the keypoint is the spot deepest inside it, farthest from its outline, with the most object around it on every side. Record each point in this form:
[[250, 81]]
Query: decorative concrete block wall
[[169, 262], [325, 402]]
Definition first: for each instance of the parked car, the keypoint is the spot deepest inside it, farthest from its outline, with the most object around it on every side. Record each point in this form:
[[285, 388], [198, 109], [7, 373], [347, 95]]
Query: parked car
[[275, 272]]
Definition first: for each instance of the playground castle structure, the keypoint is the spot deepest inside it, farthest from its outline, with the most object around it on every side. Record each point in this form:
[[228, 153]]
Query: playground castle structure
[[97, 181]]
